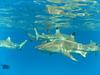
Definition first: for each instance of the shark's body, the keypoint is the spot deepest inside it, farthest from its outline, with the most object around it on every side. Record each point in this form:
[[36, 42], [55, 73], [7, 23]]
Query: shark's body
[[67, 47], [7, 43]]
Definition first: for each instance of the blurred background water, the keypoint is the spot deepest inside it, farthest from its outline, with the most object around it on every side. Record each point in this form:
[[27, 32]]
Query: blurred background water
[[18, 17]]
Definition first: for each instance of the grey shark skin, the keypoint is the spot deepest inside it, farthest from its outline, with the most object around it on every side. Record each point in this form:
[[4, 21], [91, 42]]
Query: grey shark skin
[[51, 37], [66, 47], [7, 43]]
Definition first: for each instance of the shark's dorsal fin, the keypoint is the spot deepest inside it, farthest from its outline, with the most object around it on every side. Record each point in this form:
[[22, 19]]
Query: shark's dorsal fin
[[57, 30], [72, 37], [8, 39], [73, 34]]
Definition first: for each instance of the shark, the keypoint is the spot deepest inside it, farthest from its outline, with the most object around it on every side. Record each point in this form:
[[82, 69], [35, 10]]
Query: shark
[[51, 37], [68, 47], [7, 43]]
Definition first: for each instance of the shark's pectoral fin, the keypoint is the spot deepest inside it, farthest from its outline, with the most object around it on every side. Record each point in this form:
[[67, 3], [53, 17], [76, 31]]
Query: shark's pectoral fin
[[83, 53], [70, 56]]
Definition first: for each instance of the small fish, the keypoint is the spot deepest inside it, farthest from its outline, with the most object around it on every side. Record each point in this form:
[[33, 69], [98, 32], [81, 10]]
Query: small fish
[[5, 66]]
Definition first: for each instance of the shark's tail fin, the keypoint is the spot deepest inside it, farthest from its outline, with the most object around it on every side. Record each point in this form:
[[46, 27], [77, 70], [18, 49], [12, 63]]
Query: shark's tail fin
[[37, 34], [22, 44]]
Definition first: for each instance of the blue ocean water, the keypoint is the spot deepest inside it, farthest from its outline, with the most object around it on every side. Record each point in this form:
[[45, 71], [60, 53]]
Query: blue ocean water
[[16, 19]]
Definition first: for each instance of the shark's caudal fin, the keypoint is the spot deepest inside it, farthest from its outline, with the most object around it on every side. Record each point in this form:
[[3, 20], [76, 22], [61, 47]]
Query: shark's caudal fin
[[22, 44], [37, 34]]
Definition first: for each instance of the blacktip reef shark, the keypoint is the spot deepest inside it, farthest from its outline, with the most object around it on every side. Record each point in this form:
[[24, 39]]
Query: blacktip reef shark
[[66, 47], [51, 37], [7, 43]]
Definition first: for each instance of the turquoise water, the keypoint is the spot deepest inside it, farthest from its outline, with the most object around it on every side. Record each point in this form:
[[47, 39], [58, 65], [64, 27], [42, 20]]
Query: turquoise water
[[17, 18]]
